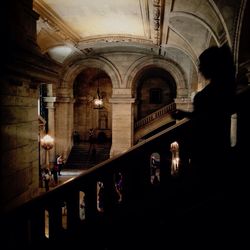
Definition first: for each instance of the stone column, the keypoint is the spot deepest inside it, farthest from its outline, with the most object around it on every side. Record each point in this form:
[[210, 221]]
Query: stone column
[[64, 117], [50, 100], [18, 143], [122, 124]]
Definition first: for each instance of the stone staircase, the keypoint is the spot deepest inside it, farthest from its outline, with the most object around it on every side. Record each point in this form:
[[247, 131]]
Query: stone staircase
[[154, 122], [82, 156]]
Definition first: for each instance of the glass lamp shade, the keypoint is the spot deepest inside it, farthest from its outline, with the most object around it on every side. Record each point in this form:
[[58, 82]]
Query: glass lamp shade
[[47, 142], [98, 103]]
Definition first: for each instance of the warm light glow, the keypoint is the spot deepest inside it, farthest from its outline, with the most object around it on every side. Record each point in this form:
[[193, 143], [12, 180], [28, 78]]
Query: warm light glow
[[98, 102], [47, 142]]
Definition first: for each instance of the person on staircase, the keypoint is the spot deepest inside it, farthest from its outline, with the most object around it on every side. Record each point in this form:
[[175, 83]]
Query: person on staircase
[[60, 163]]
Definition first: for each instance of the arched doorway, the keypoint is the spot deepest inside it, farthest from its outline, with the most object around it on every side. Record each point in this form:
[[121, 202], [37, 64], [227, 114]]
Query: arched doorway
[[156, 88], [87, 116]]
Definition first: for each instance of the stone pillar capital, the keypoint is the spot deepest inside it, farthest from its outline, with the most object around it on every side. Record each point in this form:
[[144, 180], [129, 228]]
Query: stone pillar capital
[[49, 99]]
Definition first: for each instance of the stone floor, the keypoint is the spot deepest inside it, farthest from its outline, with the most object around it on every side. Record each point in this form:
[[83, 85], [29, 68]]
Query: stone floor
[[66, 174]]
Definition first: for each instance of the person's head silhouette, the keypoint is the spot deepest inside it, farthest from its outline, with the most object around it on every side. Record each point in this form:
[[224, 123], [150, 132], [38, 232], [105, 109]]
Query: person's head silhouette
[[217, 65]]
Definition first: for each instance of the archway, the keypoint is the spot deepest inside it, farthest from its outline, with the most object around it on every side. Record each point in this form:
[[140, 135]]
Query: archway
[[86, 115], [156, 88]]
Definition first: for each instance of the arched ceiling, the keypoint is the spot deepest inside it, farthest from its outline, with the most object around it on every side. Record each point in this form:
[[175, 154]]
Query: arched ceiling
[[80, 27]]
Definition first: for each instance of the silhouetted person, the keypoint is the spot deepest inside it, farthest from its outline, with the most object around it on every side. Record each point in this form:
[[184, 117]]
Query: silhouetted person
[[59, 162], [93, 153], [46, 178], [211, 117], [76, 138], [91, 140], [54, 172]]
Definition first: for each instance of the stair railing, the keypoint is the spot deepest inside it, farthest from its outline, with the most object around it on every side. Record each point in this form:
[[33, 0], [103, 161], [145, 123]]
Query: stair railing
[[42, 220], [155, 115]]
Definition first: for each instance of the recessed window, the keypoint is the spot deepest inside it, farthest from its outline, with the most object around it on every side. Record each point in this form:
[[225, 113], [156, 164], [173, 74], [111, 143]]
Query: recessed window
[[155, 96]]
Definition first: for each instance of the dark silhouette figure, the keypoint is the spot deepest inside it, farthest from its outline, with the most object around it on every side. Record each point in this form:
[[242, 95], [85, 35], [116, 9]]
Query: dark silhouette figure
[[60, 163], [76, 138], [91, 140], [93, 153], [211, 117], [46, 178], [54, 172]]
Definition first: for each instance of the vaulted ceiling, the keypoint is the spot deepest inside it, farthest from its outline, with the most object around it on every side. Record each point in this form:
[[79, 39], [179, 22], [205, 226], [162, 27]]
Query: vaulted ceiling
[[163, 27]]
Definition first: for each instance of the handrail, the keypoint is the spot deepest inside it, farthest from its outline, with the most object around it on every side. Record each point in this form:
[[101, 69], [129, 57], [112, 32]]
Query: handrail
[[155, 115], [25, 226], [29, 219]]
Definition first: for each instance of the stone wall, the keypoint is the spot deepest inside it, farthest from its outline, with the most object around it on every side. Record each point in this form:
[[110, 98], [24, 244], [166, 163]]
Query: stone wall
[[23, 69], [19, 142]]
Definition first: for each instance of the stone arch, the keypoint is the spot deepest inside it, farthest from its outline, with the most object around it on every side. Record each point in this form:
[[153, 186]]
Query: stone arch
[[201, 21], [100, 63], [144, 62]]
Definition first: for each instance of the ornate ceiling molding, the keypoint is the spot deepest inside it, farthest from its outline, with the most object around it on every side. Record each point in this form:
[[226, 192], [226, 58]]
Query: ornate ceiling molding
[[157, 15], [115, 38], [55, 22]]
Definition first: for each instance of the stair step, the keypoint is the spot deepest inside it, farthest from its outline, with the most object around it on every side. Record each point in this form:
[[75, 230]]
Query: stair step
[[80, 156]]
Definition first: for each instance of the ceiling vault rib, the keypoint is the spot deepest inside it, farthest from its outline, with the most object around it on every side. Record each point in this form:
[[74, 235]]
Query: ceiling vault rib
[[238, 33], [198, 19], [144, 9], [218, 13], [162, 13], [167, 8], [148, 26]]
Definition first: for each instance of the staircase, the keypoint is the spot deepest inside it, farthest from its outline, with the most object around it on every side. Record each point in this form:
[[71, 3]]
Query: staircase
[[155, 122], [176, 213], [83, 157]]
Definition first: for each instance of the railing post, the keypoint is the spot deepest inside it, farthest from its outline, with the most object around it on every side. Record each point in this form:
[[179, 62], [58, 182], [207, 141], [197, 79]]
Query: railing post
[[109, 192], [73, 206], [37, 226], [91, 200], [55, 221]]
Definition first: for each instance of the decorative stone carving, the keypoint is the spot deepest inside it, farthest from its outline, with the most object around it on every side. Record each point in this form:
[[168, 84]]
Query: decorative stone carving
[[157, 18]]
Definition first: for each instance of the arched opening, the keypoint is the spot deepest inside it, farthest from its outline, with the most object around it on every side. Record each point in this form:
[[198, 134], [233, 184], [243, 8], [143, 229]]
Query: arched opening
[[88, 85], [156, 88]]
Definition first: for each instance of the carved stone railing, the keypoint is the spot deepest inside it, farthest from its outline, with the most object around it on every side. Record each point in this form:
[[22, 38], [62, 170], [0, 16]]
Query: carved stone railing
[[42, 221], [56, 218], [155, 115]]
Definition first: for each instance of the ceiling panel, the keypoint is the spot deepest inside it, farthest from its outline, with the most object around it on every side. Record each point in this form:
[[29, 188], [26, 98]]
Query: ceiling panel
[[100, 17]]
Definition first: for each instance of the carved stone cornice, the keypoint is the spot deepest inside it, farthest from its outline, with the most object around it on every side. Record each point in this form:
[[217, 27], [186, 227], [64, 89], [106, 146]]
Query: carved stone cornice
[[55, 22], [114, 38]]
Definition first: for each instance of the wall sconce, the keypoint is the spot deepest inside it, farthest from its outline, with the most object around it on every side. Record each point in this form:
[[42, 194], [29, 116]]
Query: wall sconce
[[47, 142]]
